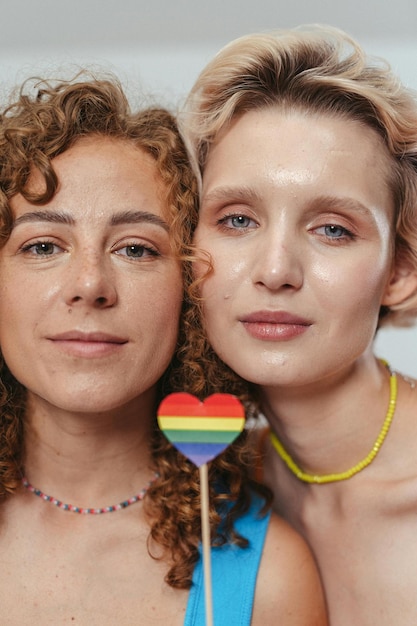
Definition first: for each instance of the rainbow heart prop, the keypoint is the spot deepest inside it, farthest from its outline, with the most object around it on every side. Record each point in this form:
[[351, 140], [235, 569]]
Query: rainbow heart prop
[[201, 430]]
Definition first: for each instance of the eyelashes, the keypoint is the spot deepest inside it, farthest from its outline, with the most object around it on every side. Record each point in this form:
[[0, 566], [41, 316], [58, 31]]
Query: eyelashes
[[331, 231], [47, 248], [335, 232], [137, 251], [42, 247], [236, 221]]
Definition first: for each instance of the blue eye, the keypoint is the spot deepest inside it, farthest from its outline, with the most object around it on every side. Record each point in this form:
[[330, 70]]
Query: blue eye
[[331, 230], [334, 232], [236, 222], [135, 251], [240, 221]]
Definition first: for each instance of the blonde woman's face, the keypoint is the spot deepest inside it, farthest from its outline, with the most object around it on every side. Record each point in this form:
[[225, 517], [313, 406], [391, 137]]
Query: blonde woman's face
[[296, 215], [90, 289]]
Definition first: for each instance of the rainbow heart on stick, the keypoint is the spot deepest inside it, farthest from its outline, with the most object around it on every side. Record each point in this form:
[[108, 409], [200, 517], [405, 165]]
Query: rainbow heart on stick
[[201, 430]]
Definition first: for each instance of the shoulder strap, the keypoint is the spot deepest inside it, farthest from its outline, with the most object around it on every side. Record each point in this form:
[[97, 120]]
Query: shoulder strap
[[234, 572]]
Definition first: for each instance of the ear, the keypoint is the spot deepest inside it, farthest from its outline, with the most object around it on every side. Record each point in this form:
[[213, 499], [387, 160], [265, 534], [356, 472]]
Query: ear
[[402, 284]]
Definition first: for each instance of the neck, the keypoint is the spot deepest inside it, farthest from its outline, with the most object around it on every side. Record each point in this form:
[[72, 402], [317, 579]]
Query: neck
[[331, 427], [89, 459]]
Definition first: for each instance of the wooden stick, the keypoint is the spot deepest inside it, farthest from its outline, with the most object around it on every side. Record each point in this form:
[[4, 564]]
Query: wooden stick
[[206, 542]]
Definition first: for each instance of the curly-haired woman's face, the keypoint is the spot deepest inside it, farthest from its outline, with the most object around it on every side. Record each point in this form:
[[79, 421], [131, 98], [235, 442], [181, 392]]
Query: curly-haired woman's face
[[90, 288]]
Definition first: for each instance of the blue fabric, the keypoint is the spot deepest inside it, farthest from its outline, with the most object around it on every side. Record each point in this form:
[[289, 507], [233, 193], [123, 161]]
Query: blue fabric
[[234, 571]]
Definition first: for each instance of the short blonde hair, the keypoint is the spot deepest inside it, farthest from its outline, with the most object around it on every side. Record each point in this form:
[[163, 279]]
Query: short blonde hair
[[322, 70]]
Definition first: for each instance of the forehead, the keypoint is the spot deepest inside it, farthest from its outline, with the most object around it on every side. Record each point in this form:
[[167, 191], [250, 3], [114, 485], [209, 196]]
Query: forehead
[[100, 155], [95, 169], [298, 146], [275, 120]]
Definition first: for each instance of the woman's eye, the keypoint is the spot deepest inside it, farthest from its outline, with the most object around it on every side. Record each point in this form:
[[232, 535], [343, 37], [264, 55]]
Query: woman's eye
[[334, 231], [236, 221], [42, 248], [137, 251]]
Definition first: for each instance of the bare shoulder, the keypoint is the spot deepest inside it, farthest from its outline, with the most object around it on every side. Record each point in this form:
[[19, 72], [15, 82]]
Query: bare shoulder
[[288, 590]]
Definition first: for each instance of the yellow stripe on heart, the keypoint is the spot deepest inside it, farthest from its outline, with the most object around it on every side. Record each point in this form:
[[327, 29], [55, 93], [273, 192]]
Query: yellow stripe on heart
[[201, 423]]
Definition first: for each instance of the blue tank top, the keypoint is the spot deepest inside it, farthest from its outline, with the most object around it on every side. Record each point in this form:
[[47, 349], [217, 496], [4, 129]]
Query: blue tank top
[[234, 571]]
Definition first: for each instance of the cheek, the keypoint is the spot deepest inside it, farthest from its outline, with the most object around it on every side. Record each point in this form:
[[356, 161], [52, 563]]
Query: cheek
[[16, 309], [356, 287], [161, 327], [165, 306], [228, 272]]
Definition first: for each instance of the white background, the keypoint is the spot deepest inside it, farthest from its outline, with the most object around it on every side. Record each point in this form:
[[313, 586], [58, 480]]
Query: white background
[[158, 47]]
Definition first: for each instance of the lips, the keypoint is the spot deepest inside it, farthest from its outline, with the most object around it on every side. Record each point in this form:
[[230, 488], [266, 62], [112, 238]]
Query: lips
[[275, 317], [88, 345], [274, 325], [94, 337]]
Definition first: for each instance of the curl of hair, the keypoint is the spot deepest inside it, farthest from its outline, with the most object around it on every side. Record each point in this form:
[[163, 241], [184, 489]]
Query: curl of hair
[[40, 125], [315, 69]]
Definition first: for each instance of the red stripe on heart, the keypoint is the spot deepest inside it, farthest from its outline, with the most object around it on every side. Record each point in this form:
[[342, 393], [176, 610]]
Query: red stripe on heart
[[217, 405]]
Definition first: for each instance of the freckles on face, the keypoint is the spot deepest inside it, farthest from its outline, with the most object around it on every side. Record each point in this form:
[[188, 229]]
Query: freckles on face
[[90, 287], [296, 214]]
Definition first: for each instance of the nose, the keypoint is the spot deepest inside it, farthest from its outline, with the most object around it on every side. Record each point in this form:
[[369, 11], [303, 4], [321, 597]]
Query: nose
[[278, 263], [90, 282]]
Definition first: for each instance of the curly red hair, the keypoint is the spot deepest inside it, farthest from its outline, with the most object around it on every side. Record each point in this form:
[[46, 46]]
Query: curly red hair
[[46, 119]]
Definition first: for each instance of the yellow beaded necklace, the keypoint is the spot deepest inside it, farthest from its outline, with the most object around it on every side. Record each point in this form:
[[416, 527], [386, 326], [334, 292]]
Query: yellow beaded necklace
[[331, 478]]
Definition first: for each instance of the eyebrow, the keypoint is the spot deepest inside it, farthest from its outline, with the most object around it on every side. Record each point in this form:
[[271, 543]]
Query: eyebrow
[[237, 194], [245, 194], [136, 217], [124, 217], [44, 216], [341, 203]]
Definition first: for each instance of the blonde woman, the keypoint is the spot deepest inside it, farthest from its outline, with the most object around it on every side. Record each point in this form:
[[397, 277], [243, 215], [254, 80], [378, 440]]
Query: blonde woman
[[307, 153]]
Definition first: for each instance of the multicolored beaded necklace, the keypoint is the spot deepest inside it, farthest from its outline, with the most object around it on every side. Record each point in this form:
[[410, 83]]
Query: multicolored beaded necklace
[[84, 511], [331, 478]]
